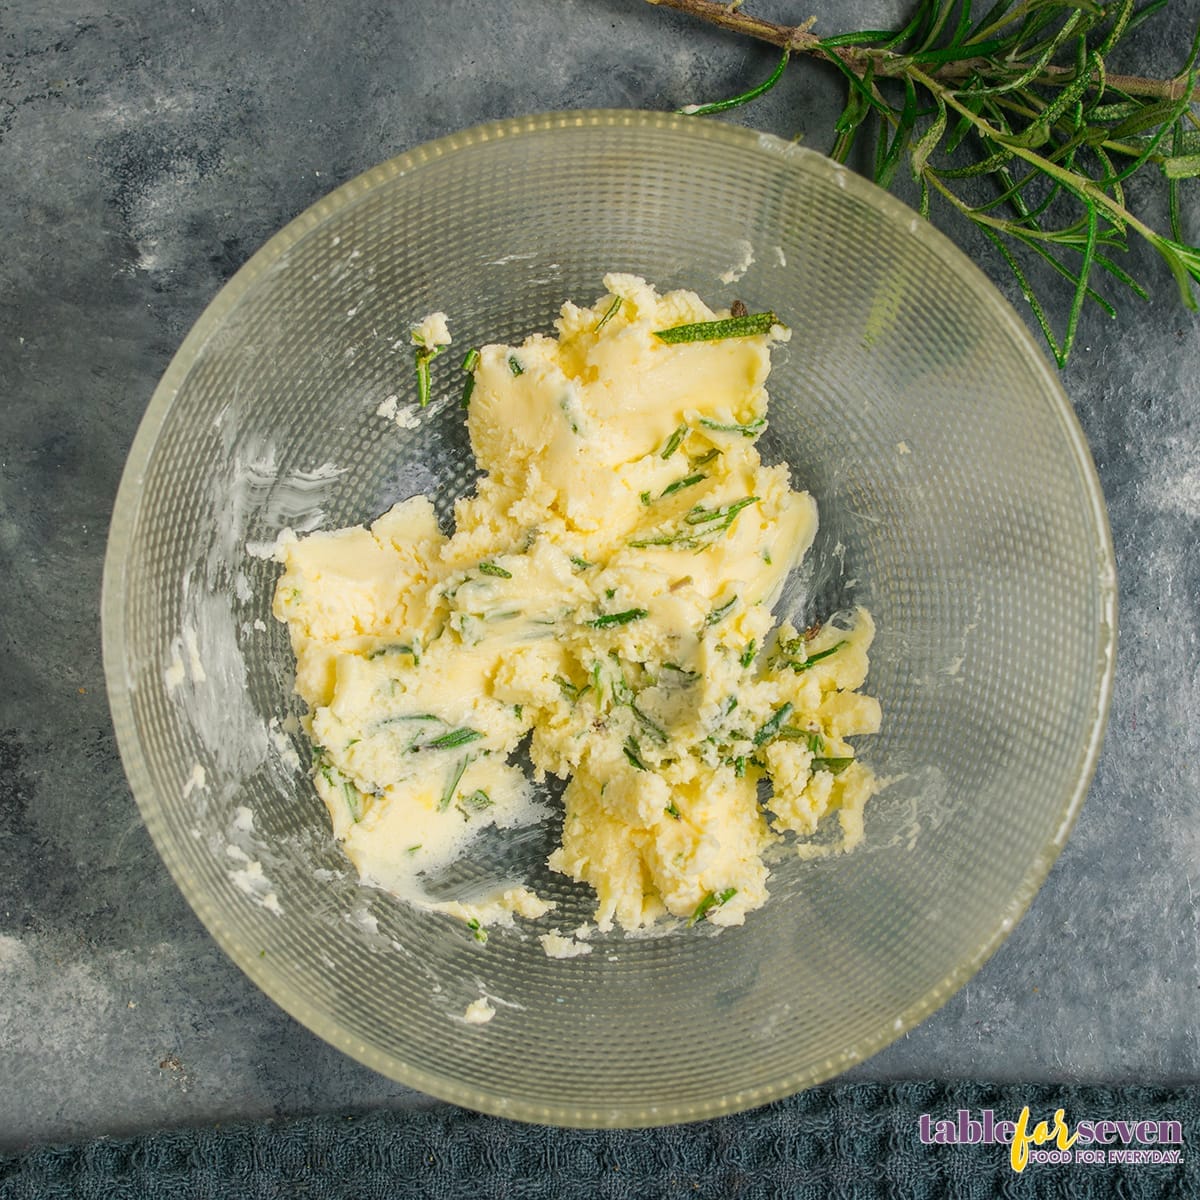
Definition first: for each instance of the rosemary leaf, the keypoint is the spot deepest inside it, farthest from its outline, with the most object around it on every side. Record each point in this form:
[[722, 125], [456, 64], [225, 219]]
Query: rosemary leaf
[[608, 316], [454, 739], [469, 363], [751, 325], [490, 568], [712, 900], [619, 618], [674, 441], [835, 766], [770, 728], [686, 482]]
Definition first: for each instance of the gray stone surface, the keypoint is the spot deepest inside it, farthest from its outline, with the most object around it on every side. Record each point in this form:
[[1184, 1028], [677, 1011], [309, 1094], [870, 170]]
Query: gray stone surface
[[146, 150]]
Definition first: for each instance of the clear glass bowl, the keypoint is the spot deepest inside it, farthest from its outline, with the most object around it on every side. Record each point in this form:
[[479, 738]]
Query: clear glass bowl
[[958, 503]]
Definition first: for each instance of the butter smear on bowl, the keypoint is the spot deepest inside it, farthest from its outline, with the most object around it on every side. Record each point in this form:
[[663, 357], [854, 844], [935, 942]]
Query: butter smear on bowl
[[607, 594]]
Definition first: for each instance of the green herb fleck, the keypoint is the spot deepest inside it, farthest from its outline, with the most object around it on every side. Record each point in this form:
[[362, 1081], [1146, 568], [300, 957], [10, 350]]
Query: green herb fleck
[[748, 430], [518, 710], [608, 316], [687, 541], [700, 515], [672, 811], [748, 654], [705, 459], [454, 739], [750, 325], [514, 366], [353, 800], [813, 739], [489, 568], [685, 482], [675, 440], [393, 648], [645, 497], [766, 556], [580, 564], [720, 613], [835, 766], [477, 930], [655, 730], [771, 728], [618, 618], [813, 659], [413, 849], [569, 690], [423, 356], [469, 363], [478, 800], [712, 900], [453, 782], [633, 753]]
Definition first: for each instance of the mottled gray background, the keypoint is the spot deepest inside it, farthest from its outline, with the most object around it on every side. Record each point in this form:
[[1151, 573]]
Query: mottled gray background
[[146, 150]]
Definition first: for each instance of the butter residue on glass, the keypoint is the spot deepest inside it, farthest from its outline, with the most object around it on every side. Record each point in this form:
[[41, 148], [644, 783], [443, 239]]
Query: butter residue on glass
[[607, 596]]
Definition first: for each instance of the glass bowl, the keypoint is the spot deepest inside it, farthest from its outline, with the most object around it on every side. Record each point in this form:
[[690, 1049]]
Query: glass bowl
[[958, 503]]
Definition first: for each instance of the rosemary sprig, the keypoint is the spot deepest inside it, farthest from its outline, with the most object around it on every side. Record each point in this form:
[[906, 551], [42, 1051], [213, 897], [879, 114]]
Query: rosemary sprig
[[1015, 121]]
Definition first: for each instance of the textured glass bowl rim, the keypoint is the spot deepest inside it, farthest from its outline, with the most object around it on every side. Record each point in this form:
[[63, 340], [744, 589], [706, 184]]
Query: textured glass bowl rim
[[129, 496]]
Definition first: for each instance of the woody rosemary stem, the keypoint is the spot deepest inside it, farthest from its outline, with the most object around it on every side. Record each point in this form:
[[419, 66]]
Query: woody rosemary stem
[[799, 39]]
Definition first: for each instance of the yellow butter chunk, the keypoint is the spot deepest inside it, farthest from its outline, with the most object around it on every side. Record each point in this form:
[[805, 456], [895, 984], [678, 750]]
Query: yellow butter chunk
[[607, 594]]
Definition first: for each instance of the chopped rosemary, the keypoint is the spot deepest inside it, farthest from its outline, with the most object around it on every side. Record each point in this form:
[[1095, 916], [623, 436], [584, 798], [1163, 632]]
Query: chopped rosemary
[[618, 618], [514, 365], [705, 458], [655, 730], [771, 727], [750, 325], [413, 849], [675, 440], [672, 811], [469, 363], [700, 515], [608, 316], [490, 568], [687, 540], [720, 613], [453, 782], [686, 481], [750, 429], [580, 564], [813, 739], [423, 356], [644, 497], [393, 648], [813, 659], [633, 753], [454, 739], [748, 654], [835, 766], [569, 690], [712, 900], [477, 801]]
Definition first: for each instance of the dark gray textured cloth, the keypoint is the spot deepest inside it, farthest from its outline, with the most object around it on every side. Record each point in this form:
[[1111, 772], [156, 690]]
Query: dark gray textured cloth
[[855, 1140]]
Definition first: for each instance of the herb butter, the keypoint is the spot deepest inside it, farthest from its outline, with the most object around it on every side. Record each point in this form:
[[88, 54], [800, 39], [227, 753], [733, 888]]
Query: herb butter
[[607, 594]]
